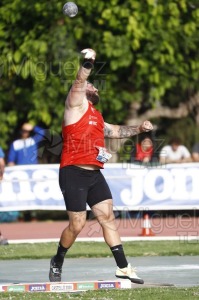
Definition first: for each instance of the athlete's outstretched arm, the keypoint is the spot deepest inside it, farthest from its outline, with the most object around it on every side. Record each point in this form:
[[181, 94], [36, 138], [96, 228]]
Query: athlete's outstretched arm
[[78, 90], [122, 131]]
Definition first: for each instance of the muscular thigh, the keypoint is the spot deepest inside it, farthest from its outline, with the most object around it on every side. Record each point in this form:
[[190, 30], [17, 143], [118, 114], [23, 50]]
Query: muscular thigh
[[77, 218], [104, 208]]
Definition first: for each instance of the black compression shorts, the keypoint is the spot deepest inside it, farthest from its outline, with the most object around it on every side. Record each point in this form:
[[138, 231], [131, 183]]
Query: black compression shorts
[[80, 187]]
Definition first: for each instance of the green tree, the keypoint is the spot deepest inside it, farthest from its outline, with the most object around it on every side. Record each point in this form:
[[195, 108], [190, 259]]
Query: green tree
[[147, 62]]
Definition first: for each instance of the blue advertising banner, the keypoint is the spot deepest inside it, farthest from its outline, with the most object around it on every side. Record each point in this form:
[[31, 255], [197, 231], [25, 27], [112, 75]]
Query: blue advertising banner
[[134, 187]]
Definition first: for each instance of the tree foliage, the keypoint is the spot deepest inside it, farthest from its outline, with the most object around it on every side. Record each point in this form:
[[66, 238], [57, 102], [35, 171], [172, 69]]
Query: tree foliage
[[147, 52]]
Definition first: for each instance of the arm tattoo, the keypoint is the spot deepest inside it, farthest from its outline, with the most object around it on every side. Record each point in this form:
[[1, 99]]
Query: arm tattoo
[[121, 131], [128, 131], [108, 132]]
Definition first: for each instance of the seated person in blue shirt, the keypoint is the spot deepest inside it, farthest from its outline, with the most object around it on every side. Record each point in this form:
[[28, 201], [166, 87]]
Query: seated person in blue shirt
[[2, 163], [24, 151], [5, 216]]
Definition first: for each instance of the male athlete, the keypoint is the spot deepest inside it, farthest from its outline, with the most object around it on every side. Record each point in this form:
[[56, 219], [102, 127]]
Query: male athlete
[[80, 178]]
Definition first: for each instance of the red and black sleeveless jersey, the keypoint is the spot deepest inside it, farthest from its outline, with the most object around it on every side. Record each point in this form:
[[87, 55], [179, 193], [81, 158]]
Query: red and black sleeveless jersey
[[81, 139]]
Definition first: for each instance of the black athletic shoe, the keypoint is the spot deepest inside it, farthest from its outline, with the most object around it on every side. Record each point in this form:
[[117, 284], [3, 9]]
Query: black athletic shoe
[[55, 271]]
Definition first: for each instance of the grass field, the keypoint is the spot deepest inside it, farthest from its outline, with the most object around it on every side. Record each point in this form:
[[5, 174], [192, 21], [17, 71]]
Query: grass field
[[133, 294], [97, 249]]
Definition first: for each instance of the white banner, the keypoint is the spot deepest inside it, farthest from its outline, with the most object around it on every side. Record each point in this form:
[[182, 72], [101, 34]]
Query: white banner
[[134, 187]]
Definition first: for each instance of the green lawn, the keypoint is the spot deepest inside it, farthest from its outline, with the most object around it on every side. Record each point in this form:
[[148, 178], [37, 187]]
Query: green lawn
[[97, 249], [133, 294]]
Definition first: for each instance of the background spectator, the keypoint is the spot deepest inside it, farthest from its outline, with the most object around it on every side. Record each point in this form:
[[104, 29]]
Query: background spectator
[[174, 153], [2, 163], [144, 149], [5, 216], [195, 152], [24, 151]]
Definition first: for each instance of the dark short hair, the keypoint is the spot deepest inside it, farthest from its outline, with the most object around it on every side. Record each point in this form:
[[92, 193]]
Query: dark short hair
[[175, 140], [144, 135]]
